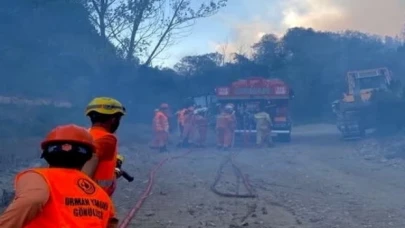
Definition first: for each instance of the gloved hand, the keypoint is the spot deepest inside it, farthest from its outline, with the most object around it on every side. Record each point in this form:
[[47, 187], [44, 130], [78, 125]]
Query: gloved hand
[[118, 173]]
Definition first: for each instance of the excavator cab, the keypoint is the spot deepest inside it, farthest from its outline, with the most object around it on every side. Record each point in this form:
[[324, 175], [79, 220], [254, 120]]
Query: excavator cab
[[370, 94], [362, 83]]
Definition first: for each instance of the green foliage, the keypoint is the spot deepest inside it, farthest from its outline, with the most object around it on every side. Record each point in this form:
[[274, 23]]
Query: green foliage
[[313, 63]]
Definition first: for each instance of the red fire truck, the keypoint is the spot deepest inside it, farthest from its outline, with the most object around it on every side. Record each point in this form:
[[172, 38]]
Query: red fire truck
[[248, 94]]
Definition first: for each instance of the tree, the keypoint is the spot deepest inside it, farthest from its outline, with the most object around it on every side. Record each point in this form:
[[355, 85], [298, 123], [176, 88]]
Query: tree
[[313, 63], [195, 65], [266, 49], [106, 16], [147, 27]]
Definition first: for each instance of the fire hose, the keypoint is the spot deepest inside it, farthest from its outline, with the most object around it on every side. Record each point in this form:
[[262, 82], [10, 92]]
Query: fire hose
[[238, 173], [131, 214], [230, 159]]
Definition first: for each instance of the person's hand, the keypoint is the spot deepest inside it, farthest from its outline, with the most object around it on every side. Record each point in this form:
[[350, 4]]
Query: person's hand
[[118, 173]]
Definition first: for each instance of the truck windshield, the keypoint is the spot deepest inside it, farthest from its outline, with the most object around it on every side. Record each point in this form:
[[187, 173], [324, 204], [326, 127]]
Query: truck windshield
[[372, 82]]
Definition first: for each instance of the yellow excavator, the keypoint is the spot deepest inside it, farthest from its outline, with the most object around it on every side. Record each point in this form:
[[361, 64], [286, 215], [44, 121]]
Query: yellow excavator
[[369, 92]]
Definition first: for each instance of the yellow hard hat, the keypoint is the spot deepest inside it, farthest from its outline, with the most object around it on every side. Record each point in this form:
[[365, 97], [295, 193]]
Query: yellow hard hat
[[105, 105], [120, 157]]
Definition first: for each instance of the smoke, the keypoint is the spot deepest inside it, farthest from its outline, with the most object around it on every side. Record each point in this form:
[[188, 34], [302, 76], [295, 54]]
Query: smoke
[[242, 37], [381, 17], [372, 16]]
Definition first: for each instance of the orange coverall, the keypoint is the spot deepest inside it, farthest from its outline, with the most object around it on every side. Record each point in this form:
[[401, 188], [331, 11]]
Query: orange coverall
[[189, 127], [225, 126], [160, 130], [106, 150], [201, 123], [180, 120]]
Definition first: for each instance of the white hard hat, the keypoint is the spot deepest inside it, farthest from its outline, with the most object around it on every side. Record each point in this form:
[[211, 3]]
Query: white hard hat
[[229, 106], [199, 110]]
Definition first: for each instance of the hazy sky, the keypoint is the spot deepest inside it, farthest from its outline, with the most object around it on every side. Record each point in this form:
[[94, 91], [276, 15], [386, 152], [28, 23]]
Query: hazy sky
[[243, 22]]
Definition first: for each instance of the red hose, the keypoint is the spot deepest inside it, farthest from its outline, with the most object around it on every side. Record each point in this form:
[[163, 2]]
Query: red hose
[[147, 191]]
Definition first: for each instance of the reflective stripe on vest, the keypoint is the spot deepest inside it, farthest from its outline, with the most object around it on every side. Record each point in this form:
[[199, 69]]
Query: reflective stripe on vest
[[105, 183], [75, 201]]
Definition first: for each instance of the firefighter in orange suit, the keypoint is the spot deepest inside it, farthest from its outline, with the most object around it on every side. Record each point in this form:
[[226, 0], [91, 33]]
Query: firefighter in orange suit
[[201, 124], [60, 195], [161, 128], [180, 120], [189, 128], [105, 114], [225, 127], [263, 127]]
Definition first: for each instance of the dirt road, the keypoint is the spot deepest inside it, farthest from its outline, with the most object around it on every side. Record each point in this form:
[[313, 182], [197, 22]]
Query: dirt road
[[315, 181]]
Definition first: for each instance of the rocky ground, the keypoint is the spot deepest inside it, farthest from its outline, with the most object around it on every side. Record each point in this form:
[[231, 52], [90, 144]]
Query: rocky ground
[[316, 181]]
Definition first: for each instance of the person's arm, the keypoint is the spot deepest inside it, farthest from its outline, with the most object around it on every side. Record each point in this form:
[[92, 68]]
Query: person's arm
[[268, 118], [232, 120], [256, 117], [90, 166], [31, 194], [105, 149]]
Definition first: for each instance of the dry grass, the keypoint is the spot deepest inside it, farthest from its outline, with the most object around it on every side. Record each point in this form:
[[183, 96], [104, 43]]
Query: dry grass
[[16, 154], [15, 151]]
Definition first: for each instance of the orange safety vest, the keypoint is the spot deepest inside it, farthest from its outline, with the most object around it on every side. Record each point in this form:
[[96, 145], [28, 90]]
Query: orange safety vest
[[160, 122], [75, 201], [105, 172]]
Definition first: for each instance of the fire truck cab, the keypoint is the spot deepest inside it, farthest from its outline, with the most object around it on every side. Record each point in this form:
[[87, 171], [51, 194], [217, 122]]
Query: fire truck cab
[[247, 94]]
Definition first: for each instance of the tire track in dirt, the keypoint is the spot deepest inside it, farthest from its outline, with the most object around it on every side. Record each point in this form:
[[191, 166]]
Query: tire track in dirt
[[182, 198], [324, 182], [316, 181]]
